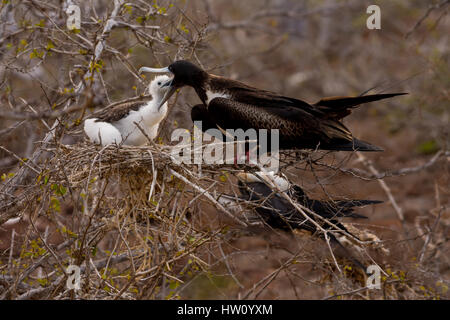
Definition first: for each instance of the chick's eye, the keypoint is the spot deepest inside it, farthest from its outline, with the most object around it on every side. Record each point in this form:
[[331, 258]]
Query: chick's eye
[[159, 83]]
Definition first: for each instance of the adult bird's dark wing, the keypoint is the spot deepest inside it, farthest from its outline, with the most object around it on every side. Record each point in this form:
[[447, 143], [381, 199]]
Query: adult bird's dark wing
[[330, 107], [311, 125], [199, 112], [298, 127]]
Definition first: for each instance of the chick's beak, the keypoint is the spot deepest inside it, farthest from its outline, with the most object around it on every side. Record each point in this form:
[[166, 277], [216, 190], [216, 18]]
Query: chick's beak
[[168, 83], [168, 93]]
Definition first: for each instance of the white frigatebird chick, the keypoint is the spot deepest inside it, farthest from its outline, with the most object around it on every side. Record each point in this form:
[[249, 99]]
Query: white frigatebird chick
[[117, 124], [277, 212], [231, 104]]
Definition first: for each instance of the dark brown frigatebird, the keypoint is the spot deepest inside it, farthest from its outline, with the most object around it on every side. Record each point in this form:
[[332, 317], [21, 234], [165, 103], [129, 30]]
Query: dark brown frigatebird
[[230, 104], [277, 212]]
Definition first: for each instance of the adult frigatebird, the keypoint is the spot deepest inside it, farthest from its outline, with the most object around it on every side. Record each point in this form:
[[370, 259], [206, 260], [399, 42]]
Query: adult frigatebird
[[231, 104], [279, 213], [264, 189]]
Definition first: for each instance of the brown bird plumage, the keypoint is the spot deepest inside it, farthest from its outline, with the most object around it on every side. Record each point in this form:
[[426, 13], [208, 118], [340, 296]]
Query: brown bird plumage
[[118, 111]]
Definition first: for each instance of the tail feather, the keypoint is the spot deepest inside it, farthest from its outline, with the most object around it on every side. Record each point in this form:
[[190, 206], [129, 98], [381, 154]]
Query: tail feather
[[355, 215], [355, 145], [340, 107], [349, 102], [356, 203]]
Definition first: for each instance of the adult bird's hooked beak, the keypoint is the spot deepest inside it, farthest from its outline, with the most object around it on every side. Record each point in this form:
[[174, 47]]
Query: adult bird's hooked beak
[[154, 70], [171, 90]]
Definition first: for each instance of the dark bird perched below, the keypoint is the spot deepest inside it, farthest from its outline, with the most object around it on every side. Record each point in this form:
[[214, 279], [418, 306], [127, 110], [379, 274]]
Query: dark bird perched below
[[280, 213], [277, 212], [230, 104]]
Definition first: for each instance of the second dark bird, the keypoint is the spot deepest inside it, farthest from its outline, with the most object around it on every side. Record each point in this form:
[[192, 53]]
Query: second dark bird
[[277, 212]]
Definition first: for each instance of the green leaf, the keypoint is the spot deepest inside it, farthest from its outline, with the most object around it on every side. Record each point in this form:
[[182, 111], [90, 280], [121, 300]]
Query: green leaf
[[55, 204], [36, 54], [428, 147], [41, 23], [174, 284], [184, 28], [49, 46]]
